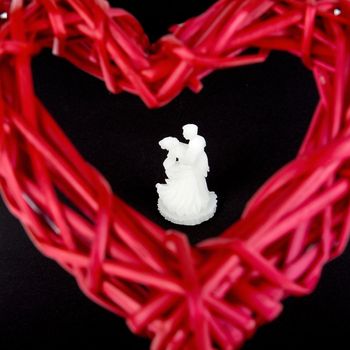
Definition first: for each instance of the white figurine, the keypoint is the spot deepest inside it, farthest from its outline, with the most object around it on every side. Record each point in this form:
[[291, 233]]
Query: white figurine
[[184, 198]]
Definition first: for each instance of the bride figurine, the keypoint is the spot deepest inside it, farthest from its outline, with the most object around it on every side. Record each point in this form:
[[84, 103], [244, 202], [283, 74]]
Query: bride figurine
[[184, 198]]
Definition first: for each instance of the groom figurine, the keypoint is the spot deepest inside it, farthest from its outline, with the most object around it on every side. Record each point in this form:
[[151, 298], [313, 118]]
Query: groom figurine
[[196, 146], [184, 198]]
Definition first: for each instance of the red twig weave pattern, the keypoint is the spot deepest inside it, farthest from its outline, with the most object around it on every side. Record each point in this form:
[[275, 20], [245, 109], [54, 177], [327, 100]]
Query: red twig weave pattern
[[215, 294]]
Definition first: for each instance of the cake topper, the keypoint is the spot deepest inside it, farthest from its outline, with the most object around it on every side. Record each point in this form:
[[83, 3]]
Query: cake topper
[[184, 198]]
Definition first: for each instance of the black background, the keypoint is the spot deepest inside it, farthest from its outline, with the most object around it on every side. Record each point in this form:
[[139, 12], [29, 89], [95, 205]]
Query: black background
[[253, 118]]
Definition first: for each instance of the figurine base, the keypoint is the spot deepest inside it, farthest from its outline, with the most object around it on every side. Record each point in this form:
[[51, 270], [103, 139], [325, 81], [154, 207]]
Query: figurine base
[[206, 214]]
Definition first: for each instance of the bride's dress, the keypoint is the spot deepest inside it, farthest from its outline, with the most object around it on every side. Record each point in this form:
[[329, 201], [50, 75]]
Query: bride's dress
[[185, 198], [182, 192]]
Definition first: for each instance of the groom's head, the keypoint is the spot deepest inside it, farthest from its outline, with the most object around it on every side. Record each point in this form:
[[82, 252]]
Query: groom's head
[[189, 131]]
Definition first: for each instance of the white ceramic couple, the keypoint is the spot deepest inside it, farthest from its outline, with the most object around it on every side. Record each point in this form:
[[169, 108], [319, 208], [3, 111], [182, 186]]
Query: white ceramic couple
[[185, 198]]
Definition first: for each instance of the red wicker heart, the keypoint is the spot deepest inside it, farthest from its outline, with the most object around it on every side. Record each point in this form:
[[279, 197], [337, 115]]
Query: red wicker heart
[[214, 294]]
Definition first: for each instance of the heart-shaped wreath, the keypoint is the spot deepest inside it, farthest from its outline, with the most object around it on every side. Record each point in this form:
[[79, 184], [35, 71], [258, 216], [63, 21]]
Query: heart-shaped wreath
[[214, 294]]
